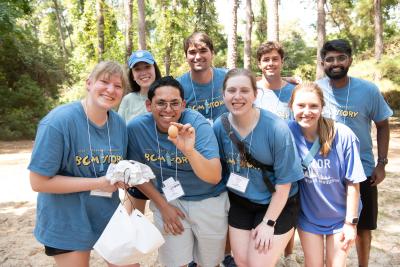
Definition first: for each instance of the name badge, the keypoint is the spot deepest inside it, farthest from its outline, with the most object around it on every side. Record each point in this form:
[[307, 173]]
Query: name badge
[[237, 182], [99, 193], [210, 121], [172, 189]]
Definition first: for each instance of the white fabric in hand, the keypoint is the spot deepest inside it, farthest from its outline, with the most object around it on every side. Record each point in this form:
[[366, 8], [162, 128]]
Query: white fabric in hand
[[130, 172]]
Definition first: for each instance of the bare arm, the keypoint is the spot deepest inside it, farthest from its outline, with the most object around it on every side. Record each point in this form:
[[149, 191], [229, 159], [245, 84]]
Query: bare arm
[[263, 233], [349, 232], [209, 170], [171, 214], [65, 184], [382, 140]]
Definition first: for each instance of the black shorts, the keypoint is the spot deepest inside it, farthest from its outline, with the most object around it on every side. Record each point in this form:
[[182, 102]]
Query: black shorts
[[369, 213], [50, 251], [136, 193], [246, 215]]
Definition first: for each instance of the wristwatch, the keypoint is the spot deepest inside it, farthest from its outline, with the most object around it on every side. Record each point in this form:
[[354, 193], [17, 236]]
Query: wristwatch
[[383, 161], [269, 222], [352, 221]]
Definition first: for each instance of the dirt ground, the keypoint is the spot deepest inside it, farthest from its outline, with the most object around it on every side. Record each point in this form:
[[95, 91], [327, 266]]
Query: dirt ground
[[18, 247]]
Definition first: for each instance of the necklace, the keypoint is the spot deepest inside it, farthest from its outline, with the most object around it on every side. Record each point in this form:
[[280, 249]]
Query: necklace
[[89, 138], [159, 156], [206, 104]]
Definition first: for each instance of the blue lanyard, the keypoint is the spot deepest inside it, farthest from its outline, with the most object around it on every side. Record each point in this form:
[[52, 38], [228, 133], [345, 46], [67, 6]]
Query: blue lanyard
[[311, 154]]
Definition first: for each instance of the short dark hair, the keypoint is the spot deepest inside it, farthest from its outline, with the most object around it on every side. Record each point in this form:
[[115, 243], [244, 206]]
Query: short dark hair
[[164, 81], [135, 87], [267, 47], [198, 37], [337, 45]]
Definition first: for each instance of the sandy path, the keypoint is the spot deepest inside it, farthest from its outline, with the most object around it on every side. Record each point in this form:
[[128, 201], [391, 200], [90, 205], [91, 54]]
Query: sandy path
[[17, 213]]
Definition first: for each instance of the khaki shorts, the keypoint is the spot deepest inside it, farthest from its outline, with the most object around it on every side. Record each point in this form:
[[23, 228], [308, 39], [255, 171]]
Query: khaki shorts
[[204, 237]]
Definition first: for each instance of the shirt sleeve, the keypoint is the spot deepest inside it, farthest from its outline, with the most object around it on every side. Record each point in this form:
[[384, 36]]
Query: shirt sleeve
[[48, 151]]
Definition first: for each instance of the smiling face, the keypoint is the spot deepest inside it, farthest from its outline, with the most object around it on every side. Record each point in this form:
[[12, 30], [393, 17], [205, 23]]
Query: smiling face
[[199, 57], [239, 94], [106, 92], [307, 109], [271, 64], [336, 64], [144, 74], [166, 106]]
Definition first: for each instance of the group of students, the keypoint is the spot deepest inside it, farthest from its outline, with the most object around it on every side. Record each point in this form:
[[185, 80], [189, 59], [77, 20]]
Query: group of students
[[255, 159]]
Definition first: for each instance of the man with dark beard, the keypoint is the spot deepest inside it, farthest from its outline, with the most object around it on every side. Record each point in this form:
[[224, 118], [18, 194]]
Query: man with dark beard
[[356, 102]]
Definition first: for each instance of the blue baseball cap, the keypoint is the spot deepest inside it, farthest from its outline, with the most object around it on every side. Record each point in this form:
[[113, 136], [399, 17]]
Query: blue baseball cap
[[140, 56]]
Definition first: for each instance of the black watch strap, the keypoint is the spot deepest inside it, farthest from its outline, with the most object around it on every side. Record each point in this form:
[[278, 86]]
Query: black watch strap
[[269, 222]]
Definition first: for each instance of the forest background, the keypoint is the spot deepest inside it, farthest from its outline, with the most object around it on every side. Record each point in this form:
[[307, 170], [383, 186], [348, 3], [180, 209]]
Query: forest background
[[47, 47]]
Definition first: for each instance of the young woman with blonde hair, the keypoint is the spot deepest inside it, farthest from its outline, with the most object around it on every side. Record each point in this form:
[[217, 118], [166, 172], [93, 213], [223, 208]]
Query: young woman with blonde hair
[[329, 192]]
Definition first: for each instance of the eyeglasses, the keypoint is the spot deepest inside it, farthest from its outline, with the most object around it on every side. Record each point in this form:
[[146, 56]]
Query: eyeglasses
[[339, 59], [174, 105]]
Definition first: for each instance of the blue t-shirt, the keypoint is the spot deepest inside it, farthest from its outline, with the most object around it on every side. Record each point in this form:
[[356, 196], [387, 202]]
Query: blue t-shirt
[[205, 98], [75, 221], [271, 143], [143, 147], [323, 189], [356, 105], [275, 101]]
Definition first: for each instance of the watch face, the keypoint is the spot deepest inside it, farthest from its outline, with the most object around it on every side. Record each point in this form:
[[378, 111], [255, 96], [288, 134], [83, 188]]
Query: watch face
[[354, 221], [271, 223]]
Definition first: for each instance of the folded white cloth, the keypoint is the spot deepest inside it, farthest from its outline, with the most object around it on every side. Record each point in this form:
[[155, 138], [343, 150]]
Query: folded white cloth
[[130, 172]]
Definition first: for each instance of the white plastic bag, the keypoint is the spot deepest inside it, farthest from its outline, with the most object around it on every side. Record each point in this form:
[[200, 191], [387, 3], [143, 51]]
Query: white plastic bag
[[126, 237]]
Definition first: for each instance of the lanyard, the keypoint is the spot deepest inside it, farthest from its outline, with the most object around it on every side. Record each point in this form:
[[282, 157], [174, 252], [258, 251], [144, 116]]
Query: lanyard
[[90, 142], [311, 153], [212, 93], [239, 158], [159, 156]]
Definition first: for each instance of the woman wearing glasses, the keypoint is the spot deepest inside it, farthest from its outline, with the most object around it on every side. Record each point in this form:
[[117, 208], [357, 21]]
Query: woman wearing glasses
[[74, 145], [261, 166], [329, 192], [143, 71]]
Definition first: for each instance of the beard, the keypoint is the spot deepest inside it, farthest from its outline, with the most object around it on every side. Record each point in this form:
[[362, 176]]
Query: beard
[[336, 75]]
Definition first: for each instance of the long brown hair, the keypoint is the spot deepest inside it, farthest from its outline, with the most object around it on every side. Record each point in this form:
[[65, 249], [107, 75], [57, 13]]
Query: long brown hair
[[326, 127]]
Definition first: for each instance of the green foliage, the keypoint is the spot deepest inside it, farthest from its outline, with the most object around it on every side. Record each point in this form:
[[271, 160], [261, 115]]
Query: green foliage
[[297, 54], [29, 74], [390, 68], [354, 20], [393, 99], [23, 107], [261, 23], [306, 72]]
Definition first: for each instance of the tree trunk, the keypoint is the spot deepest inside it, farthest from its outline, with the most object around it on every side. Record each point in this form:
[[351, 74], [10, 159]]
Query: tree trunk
[[273, 20], [142, 25], [60, 30], [232, 36], [128, 29], [378, 30], [321, 33], [100, 28], [247, 36]]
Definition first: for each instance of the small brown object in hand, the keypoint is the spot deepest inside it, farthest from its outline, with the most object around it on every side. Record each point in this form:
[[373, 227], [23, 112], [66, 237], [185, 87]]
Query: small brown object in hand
[[173, 131]]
